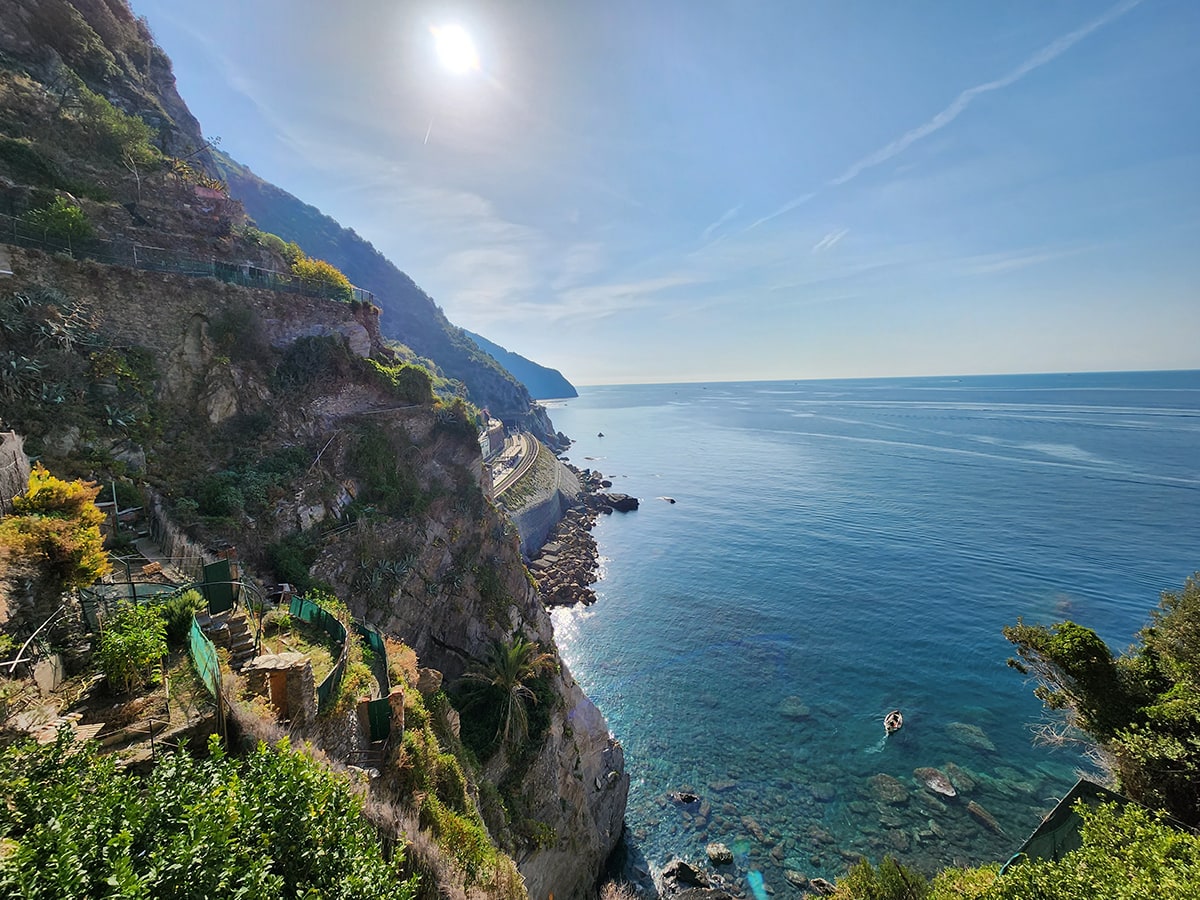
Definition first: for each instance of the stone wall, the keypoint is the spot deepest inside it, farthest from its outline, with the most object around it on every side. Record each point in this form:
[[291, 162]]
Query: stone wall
[[536, 519], [186, 555], [161, 307], [14, 469]]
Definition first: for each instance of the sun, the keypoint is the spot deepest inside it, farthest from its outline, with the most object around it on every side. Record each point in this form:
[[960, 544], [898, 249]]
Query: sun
[[455, 49]]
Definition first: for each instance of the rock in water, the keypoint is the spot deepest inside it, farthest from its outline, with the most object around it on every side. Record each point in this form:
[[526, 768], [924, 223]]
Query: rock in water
[[971, 736], [985, 817], [936, 781], [794, 708], [821, 886], [960, 778], [755, 829], [799, 879], [887, 789], [719, 854], [684, 873], [620, 502]]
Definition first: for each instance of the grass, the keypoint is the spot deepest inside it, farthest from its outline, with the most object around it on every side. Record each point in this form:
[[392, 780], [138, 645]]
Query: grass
[[283, 633], [534, 484]]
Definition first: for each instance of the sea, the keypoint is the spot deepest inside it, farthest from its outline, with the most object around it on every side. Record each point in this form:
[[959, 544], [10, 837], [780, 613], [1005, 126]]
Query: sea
[[839, 549]]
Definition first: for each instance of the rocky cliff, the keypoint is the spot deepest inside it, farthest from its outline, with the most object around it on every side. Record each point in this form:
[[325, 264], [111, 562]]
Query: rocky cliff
[[445, 576]]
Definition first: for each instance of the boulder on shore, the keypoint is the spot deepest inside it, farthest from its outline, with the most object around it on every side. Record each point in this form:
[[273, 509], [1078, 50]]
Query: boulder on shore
[[620, 502]]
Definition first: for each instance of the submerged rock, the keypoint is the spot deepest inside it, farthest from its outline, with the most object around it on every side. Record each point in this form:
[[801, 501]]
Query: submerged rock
[[799, 879], [755, 829], [794, 708], [935, 780], [986, 818], [719, 854], [971, 736], [960, 778], [887, 789]]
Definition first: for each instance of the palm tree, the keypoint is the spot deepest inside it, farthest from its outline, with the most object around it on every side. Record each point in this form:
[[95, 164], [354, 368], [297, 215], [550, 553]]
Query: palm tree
[[504, 675]]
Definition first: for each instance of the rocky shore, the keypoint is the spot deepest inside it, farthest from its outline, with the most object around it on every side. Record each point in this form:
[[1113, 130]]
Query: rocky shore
[[566, 565]]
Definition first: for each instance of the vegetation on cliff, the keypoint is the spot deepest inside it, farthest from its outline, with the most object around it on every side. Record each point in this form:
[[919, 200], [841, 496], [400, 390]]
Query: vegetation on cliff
[[1141, 708]]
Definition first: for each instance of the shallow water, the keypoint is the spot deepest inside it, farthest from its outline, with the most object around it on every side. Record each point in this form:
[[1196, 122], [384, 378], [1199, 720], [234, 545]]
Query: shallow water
[[853, 547]]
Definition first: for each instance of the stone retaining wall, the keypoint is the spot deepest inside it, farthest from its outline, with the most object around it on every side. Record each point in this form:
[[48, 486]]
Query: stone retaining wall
[[537, 518]]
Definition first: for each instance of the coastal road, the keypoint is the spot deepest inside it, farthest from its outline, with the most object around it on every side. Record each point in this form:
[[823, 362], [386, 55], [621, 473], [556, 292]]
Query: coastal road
[[525, 456]]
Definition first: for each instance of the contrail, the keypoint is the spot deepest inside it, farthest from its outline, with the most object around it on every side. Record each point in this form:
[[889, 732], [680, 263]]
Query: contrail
[[1047, 54], [427, 130]]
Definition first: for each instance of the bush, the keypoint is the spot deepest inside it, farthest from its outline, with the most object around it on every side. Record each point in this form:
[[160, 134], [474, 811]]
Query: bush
[[61, 220], [177, 613], [1126, 853], [55, 526], [327, 279], [274, 824], [131, 645]]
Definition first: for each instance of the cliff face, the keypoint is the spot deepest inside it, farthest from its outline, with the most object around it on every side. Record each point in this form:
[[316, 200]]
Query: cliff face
[[446, 578]]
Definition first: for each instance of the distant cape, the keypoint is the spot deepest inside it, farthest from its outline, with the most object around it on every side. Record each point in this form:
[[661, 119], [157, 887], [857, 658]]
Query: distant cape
[[541, 382]]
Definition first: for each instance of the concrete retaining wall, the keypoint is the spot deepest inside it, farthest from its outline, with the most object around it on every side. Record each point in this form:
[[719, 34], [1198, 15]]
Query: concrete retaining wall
[[537, 518]]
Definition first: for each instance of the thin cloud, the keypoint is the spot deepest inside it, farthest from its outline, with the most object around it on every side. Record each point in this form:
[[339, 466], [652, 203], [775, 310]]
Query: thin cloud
[[1047, 54], [829, 240], [786, 208], [726, 216]]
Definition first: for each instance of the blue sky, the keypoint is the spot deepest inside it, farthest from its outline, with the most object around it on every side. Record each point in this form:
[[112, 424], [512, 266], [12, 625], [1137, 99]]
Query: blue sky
[[703, 190]]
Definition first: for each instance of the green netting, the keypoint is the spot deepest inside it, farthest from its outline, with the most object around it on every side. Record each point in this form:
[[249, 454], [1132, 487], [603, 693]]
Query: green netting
[[1060, 832], [309, 611], [379, 716], [204, 657]]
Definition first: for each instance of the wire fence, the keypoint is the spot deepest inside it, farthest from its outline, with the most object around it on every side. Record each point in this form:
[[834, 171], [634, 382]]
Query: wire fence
[[134, 255]]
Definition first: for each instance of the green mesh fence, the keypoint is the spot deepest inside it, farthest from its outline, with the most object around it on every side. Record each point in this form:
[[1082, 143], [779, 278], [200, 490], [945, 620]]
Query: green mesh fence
[[379, 711], [308, 611], [1061, 831], [204, 657]]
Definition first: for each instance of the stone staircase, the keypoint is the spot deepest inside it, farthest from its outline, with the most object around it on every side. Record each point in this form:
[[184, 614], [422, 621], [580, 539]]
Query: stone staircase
[[231, 631]]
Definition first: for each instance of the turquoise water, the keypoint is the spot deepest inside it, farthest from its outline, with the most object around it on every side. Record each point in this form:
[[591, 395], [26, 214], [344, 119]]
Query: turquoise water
[[853, 547]]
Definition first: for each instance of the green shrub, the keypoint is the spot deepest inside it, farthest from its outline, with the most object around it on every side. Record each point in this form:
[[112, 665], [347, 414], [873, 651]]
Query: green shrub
[[61, 220], [326, 278], [131, 645], [177, 613], [273, 824], [387, 482], [116, 134], [1126, 853]]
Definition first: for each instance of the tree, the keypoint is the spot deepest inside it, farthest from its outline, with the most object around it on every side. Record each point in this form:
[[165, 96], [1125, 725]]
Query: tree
[[503, 679], [1142, 708], [55, 527]]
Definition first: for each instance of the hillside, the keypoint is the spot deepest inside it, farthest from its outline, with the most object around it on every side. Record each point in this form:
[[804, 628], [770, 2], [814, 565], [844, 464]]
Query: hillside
[[410, 315], [543, 383], [267, 420]]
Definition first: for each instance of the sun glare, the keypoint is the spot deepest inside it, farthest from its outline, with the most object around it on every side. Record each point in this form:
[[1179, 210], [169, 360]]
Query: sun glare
[[455, 49]]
